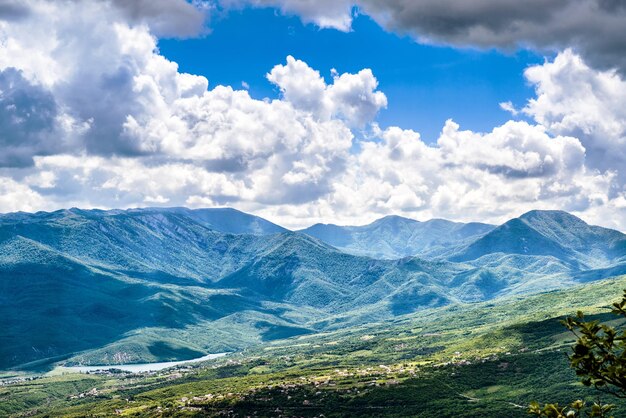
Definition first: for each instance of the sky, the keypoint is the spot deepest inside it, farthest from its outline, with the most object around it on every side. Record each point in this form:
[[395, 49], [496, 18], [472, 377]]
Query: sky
[[300, 111], [425, 85]]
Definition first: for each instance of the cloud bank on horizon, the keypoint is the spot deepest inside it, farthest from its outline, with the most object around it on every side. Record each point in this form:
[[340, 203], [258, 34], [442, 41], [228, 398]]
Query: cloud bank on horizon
[[93, 116]]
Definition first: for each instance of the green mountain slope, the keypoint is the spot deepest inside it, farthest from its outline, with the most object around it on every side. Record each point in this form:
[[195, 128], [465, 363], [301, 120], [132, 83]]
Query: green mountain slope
[[105, 287], [143, 282], [550, 233], [162, 244], [226, 220]]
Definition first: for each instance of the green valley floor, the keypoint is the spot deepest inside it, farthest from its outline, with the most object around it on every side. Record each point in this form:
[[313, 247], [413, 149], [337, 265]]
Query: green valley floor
[[473, 360]]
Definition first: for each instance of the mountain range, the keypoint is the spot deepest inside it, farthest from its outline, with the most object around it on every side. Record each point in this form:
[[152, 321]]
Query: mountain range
[[396, 237], [123, 286]]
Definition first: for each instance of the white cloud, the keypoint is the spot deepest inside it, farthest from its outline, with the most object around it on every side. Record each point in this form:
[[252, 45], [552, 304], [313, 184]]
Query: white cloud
[[15, 196], [135, 131], [573, 99], [509, 107], [336, 14], [467, 175], [148, 133], [351, 97]]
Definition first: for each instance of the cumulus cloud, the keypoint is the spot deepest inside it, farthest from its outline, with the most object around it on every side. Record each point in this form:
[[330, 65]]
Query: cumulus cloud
[[94, 84], [28, 115], [352, 97], [102, 69], [573, 99], [464, 176], [15, 196], [131, 111], [275, 151], [94, 116], [515, 167]]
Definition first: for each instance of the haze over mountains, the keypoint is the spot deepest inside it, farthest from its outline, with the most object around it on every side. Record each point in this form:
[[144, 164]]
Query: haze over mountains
[[106, 287]]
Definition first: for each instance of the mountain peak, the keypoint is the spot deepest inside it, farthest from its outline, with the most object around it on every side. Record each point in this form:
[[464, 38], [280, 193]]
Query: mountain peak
[[394, 219], [233, 221], [549, 233], [553, 215]]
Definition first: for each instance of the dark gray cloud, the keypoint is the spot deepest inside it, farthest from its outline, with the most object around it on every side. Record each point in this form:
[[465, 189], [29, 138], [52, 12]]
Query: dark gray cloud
[[13, 10], [594, 28], [27, 120], [105, 100], [167, 18], [464, 21]]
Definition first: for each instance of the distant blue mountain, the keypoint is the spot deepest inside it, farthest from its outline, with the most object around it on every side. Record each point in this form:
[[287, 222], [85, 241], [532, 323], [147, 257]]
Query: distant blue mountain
[[555, 234], [544, 250], [154, 284], [397, 237]]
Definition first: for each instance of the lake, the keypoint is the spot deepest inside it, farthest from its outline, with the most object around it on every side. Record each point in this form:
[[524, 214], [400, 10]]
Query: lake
[[143, 367]]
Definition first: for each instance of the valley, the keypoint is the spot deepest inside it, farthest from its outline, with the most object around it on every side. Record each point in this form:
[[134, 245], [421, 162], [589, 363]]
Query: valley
[[485, 359]]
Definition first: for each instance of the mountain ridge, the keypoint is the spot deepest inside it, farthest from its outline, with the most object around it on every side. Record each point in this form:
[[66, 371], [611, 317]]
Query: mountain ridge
[[395, 236], [182, 281], [549, 233]]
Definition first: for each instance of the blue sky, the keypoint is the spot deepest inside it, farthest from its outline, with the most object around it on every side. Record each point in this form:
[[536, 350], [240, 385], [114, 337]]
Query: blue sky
[[425, 85]]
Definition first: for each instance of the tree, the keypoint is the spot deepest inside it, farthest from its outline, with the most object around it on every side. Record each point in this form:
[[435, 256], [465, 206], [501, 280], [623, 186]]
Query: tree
[[599, 359], [574, 410]]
